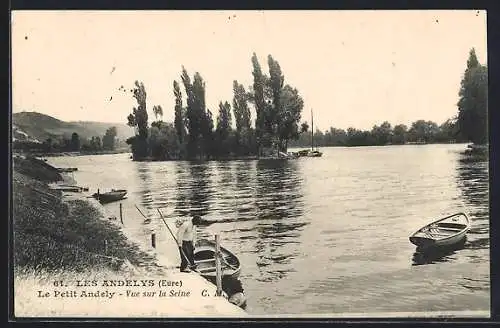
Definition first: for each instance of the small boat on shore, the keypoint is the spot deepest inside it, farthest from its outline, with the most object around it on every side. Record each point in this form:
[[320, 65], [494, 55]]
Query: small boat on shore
[[111, 196], [204, 258], [443, 232], [69, 188], [67, 169]]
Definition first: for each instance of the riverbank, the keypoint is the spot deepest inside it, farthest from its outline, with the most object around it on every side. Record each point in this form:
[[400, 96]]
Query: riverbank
[[68, 239], [74, 153]]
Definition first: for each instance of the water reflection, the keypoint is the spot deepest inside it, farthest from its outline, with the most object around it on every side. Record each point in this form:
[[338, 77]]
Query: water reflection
[[280, 217], [182, 189], [146, 197], [436, 255], [245, 175], [473, 182], [193, 189]]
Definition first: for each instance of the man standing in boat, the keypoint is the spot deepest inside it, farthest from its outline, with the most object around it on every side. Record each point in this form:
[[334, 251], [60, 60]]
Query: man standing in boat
[[186, 239]]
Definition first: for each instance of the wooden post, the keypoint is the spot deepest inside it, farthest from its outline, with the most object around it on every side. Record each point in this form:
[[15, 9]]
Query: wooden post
[[121, 214], [106, 246], [218, 269], [153, 240]]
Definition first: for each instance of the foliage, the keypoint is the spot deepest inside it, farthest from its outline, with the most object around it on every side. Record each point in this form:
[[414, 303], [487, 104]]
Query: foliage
[[257, 97], [180, 119], [108, 140], [242, 117], [75, 142], [420, 131], [223, 129], [473, 102], [139, 120], [288, 116], [278, 112]]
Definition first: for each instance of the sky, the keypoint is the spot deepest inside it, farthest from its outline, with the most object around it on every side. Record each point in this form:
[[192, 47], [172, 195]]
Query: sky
[[352, 68]]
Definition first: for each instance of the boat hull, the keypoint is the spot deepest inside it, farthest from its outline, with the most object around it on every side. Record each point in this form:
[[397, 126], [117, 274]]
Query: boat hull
[[110, 197], [429, 242], [204, 258], [444, 232]]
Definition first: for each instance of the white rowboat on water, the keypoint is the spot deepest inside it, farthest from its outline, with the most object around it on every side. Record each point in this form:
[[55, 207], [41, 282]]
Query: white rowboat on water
[[443, 232]]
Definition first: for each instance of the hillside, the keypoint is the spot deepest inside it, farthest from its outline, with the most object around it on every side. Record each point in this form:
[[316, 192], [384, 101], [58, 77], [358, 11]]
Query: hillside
[[40, 126]]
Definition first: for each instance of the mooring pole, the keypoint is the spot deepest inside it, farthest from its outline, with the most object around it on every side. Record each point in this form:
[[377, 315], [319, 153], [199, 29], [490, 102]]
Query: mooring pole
[[153, 240], [218, 269], [121, 214]]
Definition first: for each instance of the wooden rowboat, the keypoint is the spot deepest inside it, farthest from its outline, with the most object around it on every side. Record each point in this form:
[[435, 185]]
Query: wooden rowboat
[[204, 258], [443, 232], [110, 196]]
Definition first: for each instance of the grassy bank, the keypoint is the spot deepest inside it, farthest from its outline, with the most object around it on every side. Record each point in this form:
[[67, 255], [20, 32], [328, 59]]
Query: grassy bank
[[36, 169], [54, 234]]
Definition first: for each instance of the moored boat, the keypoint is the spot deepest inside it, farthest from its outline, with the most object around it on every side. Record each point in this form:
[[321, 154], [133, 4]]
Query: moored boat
[[310, 152], [314, 153], [69, 188], [447, 231], [67, 169], [204, 258], [110, 196]]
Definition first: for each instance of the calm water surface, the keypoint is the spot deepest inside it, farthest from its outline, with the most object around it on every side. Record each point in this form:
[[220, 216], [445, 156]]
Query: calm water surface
[[321, 235]]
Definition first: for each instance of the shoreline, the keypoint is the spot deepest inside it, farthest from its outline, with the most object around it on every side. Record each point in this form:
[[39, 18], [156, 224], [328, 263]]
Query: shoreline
[[121, 258], [221, 159]]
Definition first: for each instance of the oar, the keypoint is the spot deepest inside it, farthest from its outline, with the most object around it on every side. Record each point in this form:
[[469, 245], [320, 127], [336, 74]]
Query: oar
[[146, 219], [173, 236], [141, 212]]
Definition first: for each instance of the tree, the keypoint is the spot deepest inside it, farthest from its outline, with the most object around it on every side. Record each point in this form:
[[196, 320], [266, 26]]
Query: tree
[[224, 120], [75, 142], [382, 134], [139, 120], [204, 139], [423, 131], [473, 102], [179, 120], [223, 129], [448, 131], [275, 85], [108, 140], [95, 143], [193, 115], [240, 107], [163, 141], [337, 137], [208, 134], [399, 134], [158, 112], [288, 116], [258, 97], [242, 117]]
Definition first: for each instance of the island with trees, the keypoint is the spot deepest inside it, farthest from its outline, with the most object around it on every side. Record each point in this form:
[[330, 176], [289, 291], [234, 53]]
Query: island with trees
[[194, 133]]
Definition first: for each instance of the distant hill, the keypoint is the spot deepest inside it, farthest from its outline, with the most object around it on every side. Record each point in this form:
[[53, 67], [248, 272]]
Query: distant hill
[[40, 126]]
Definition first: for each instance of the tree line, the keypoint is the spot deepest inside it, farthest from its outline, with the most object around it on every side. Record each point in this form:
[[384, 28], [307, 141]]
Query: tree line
[[196, 134], [469, 125], [108, 142], [420, 132]]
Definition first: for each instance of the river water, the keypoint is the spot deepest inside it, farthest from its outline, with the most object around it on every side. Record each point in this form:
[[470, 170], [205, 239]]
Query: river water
[[321, 235]]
